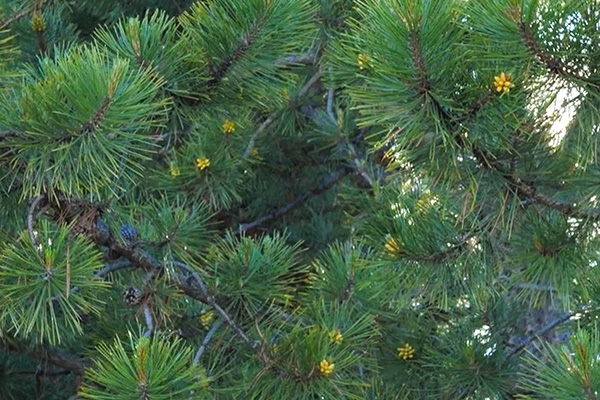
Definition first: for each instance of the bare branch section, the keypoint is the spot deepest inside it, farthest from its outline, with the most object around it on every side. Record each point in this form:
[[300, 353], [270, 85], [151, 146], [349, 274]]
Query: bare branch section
[[260, 129], [207, 340], [326, 184], [201, 287], [149, 320], [32, 217], [16, 18], [54, 356], [545, 329]]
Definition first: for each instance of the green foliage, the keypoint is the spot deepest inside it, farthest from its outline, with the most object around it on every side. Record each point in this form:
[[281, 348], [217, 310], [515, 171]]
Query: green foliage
[[254, 274], [46, 286], [81, 107], [155, 368], [252, 36], [311, 199], [569, 372]]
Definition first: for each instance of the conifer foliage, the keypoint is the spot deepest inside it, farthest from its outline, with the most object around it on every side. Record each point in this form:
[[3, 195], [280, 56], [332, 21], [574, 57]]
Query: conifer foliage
[[299, 199]]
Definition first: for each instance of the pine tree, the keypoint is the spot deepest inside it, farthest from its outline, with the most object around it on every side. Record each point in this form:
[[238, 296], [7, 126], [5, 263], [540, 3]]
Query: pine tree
[[307, 199]]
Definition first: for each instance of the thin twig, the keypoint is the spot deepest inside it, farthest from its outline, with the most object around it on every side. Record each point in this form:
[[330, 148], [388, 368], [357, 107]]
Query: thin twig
[[326, 184], [549, 326], [271, 118], [31, 218], [122, 264], [207, 340], [211, 301], [302, 59], [15, 18], [330, 94], [149, 320], [313, 79], [260, 129], [101, 274], [534, 286]]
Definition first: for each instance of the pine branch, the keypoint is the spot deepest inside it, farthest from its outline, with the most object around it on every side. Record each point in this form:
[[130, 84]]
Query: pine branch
[[55, 356], [314, 79], [481, 155], [193, 286], [553, 64], [487, 161], [17, 17], [32, 217], [110, 268], [325, 185], [199, 283], [148, 319], [219, 72], [207, 340], [545, 329]]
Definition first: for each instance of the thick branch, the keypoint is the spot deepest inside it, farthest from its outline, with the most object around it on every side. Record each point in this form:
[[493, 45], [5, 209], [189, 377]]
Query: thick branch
[[487, 160], [553, 64]]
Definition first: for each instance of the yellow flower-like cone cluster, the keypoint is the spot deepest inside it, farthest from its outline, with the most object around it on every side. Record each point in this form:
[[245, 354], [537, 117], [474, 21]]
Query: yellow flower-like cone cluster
[[38, 23], [393, 246], [326, 367], [406, 352], [206, 319], [503, 83], [202, 163], [426, 203], [228, 126], [336, 336], [174, 170], [364, 61]]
